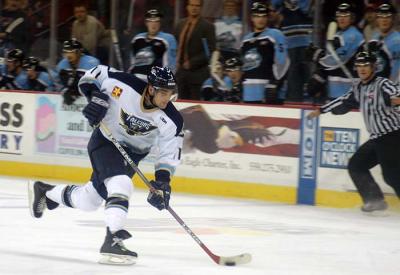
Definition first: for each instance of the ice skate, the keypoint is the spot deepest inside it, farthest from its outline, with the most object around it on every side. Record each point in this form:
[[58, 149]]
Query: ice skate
[[113, 251], [375, 208], [37, 198]]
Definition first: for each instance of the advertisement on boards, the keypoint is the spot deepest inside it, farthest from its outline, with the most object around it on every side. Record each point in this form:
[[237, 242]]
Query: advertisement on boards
[[15, 124], [240, 143], [61, 129]]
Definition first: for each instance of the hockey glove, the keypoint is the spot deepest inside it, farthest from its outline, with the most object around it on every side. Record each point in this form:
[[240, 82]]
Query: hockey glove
[[374, 46], [314, 53], [159, 197], [97, 108], [69, 96]]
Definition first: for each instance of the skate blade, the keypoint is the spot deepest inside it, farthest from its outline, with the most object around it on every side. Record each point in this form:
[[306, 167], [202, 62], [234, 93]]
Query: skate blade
[[31, 196], [377, 213], [112, 259]]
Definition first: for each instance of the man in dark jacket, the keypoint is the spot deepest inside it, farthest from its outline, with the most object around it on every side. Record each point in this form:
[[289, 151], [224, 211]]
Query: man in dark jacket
[[196, 38]]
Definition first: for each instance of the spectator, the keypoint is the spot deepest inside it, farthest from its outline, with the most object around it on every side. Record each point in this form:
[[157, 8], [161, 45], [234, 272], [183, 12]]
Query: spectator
[[229, 30], [71, 68], [152, 48], [196, 39], [13, 77], [90, 32], [385, 44], [13, 27], [38, 77], [265, 59], [297, 27]]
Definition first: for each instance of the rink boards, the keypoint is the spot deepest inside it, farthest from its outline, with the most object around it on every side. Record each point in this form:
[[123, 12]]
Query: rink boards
[[282, 156]]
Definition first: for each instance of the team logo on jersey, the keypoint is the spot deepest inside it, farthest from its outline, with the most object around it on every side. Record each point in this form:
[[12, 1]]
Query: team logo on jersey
[[144, 57], [116, 92], [135, 126], [252, 59]]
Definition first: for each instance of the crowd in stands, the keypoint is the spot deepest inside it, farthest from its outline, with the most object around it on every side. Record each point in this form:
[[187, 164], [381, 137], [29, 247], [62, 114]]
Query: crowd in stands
[[212, 56]]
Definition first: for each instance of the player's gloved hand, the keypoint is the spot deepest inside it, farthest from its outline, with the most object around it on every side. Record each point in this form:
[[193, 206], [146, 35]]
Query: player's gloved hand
[[69, 96], [316, 85], [314, 53], [159, 197], [97, 108], [374, 46]]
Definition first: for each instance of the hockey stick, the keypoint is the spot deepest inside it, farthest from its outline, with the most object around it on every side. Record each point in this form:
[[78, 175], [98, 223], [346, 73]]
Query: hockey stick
[[117, 51], [329, 46], [232, 260]]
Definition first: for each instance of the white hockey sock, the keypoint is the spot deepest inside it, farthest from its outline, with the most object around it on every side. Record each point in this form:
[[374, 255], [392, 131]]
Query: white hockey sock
[[115, 218], [55, 194]]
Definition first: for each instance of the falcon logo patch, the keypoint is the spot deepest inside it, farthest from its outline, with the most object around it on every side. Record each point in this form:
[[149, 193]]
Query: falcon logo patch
[[116, 92], [135, 126]]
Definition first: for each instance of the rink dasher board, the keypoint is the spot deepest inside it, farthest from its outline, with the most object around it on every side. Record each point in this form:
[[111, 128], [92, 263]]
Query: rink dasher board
[[42, 138]]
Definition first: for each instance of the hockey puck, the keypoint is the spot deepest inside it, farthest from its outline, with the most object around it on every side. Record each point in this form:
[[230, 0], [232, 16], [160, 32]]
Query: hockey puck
[[230, 263]]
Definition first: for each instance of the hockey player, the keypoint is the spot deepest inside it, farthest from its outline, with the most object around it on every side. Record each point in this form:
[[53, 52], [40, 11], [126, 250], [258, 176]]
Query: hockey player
[[140, 116], [297, 26], [346, 43], [38, 77], [152, 48], [265, 59], [13, 77], [385, 43], [229, 30], [71, 68], [378, 99]]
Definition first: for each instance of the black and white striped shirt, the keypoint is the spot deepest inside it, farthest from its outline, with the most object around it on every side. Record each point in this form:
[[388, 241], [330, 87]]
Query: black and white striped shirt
[[373, 99]]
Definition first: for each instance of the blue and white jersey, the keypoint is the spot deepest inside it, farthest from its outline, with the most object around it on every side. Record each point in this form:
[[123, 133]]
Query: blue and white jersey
[[297, 24], [265, 62], [350, 42], [131, 124], [42, 83], [148, 52], [13, 82], [68, 77], [388, 58], [228, 31]]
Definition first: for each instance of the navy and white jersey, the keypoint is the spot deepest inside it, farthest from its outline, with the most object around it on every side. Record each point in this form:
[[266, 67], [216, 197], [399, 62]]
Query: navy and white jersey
[[11, 81], [388, 58], [373, 99], [148, 52], [131, 124], [297, 23], [350, 40], [43, 82], [265, 62], [228, 31], [68, 77]]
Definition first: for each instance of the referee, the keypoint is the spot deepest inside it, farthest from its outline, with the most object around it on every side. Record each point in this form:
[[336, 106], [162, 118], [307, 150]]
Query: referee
[[379, 100]]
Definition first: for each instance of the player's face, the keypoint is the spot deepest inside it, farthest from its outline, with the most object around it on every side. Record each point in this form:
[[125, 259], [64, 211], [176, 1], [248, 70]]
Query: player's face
[[80, 13], [194, 8], [365, 72], [384, 23], [162, 97], [343, 21], [11, 66], [32, 74], [72, 57], [259, 21], [230, 8], [153, 27]]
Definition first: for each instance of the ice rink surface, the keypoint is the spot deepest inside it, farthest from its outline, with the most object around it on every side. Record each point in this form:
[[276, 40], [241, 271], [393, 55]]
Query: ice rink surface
[[283, 239]]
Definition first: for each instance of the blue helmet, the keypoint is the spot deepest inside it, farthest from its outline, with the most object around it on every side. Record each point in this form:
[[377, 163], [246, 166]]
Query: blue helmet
[[162, 78]]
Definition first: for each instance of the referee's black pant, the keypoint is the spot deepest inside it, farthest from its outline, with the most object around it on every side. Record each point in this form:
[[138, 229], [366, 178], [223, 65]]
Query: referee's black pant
[[384, 151]]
